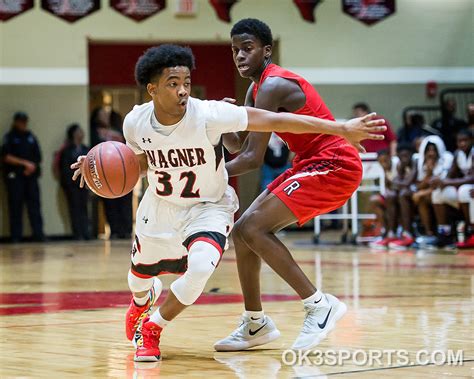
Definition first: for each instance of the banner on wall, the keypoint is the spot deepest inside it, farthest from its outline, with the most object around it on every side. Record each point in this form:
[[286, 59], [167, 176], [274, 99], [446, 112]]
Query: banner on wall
[[12, 8], [70, 10], [369, 11], [138, 10]]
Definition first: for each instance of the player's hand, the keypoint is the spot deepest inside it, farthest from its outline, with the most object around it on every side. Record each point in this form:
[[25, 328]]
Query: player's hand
[[30, 168], [358, 129], [77, 167], [229, 100]]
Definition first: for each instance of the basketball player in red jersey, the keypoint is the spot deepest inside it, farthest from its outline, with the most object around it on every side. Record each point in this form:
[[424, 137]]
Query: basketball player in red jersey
[[325, 172]]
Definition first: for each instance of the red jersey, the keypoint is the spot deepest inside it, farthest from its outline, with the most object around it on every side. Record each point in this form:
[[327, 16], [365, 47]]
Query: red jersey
[[304, 145]]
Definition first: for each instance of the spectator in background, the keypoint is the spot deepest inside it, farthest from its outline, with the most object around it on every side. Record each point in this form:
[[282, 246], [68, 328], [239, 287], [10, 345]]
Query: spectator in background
[[106, 125], [275, 161], [400, 172], [470, 116], [415, 128], [22, 157], [373, 146], [448, 125], [381, 204], [77, 197], [454, 189]]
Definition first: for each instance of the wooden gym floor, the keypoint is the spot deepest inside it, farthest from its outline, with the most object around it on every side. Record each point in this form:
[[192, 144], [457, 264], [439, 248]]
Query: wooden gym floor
[[62, 307]]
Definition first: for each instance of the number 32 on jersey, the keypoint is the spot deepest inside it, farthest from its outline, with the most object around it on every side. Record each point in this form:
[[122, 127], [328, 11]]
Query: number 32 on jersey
[[167, 188]]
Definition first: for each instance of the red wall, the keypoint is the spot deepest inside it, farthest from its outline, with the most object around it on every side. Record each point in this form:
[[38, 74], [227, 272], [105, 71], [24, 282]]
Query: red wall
[[113, 64]]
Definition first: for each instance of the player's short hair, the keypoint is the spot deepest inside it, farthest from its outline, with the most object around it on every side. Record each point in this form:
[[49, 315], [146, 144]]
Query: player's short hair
[[254, 27], [364, 106], [152, 63]]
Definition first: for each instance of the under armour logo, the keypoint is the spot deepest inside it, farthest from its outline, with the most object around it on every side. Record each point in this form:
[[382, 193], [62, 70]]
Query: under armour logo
[[146, 140], [145, 220]]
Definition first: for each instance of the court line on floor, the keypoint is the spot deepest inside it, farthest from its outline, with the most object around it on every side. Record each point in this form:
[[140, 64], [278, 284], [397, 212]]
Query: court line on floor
[[379, 265], [196, 316], [379, 369]]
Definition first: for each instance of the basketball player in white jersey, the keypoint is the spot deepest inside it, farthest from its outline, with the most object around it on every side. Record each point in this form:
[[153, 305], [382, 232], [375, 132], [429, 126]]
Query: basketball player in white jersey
[[187, 212]]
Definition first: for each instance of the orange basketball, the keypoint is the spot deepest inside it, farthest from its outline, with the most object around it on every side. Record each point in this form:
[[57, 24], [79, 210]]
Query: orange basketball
[[111, 169]]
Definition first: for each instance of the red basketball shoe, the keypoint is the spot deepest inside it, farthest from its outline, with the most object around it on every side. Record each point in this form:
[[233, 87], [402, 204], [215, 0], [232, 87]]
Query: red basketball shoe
[[467, 244], [150, 349], [136, 314]]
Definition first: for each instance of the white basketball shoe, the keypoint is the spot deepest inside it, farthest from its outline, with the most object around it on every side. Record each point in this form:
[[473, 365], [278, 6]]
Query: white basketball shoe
[[318, 322], [249, 334]]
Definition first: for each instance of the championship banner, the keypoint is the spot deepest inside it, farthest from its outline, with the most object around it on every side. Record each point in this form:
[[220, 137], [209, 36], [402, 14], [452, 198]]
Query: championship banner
[[368, 11], [12, 8], [138, 10], [70, 10]]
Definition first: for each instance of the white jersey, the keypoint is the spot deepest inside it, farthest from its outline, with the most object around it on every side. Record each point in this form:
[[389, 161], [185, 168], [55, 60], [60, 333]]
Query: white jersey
[[185, 167], [464, 161]]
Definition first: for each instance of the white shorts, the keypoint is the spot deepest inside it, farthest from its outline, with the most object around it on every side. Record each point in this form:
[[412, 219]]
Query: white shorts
[[162, 228]]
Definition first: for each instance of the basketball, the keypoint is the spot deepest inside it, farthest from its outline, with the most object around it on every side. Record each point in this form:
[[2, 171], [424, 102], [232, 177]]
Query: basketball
[[111, 169]]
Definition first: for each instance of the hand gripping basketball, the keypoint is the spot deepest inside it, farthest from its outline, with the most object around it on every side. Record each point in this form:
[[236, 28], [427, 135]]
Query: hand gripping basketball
[[110, 169]]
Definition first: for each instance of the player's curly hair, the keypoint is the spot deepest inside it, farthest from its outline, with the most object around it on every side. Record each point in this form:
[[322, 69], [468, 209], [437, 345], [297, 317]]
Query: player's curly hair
[[255, 28], [152, 63]]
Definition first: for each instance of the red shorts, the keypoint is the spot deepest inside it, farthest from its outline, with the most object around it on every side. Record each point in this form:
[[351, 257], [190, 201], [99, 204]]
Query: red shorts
[[318, 184]]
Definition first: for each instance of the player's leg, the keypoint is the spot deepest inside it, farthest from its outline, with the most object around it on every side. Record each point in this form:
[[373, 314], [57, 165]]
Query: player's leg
[[248, 263], [204, 228], [204, 252], [300, 198], [145, 291], [257, 230], [255, 327]]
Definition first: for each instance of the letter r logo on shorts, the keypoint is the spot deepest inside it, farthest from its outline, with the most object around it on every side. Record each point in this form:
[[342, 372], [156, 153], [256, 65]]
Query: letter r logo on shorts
[[290, 188]]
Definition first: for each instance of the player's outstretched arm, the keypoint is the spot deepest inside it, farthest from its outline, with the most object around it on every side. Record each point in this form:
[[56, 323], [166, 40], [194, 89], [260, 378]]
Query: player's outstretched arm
[[354, 130]]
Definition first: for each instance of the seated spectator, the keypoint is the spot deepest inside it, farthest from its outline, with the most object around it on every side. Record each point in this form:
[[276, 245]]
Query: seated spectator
[[470, 117], [77, 197], [275, 161], [433, 161], [415, 128], [448, 125], [399, 175], [454, 190], [373, 146]]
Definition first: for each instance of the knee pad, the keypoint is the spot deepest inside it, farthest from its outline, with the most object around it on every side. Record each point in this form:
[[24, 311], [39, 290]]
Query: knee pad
[[464, 195], [137, 284], [202, 261]]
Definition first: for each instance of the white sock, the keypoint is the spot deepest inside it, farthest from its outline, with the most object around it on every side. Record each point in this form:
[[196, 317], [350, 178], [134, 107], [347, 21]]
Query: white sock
[[317, 299], [141, 301], [255, 316], [158, 319]]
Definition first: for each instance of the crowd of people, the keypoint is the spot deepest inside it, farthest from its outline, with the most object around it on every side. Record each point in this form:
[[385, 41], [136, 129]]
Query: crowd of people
[[429, 179], [429, 184], [21, 167]]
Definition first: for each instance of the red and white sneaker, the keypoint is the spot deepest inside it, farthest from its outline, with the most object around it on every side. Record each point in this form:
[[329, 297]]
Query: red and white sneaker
[[136, 314], [402, 243], [467, 244], [383, 243], [150, 349]]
